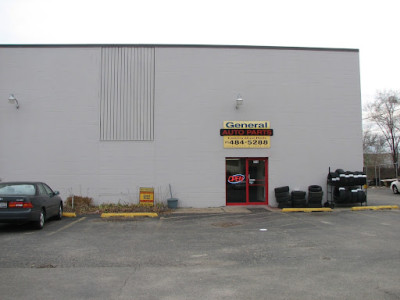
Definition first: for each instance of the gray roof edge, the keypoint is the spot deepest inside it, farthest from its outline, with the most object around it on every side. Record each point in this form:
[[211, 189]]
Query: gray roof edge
[[176, 46]]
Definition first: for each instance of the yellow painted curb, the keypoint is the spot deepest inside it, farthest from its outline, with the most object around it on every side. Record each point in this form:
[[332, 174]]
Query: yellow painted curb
[[129, 215], [375, 207], [306, 209], [69, 215]]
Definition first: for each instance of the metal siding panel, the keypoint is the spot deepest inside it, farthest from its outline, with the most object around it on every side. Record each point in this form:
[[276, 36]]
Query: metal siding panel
[[127, 94], [101, 98], [152, 92]]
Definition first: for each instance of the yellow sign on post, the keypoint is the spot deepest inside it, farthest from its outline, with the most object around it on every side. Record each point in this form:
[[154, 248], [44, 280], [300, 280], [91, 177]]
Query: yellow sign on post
[[146, 196]]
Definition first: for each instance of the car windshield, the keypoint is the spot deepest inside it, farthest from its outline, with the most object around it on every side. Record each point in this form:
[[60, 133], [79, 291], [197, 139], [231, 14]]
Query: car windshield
[[17, 189]]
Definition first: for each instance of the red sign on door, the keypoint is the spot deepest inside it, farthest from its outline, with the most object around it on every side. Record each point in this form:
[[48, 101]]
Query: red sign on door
[[234, 179]]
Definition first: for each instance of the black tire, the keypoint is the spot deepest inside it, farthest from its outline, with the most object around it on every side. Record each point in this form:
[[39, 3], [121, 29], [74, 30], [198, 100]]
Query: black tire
[[344, 181], [282, 189], [361, 196], [300, 202], [286, 205], [283, 199], [39, 224], [315, 188], [299, 206], [314, 201], [343, 196], [332, 175], [333, 178], [298, 195], [363, 178], [354, 197], [359, 178], [350, 178], [282, 195], [315, 197], [395, 189], [315, 205], [60, 213]]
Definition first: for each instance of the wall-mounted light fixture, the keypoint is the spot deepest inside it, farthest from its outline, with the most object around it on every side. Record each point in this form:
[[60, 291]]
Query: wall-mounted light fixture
[[239, 101], [13, 100]]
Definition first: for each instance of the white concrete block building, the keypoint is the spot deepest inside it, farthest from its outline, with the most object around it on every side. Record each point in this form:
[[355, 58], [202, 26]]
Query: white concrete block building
[[104, 120]]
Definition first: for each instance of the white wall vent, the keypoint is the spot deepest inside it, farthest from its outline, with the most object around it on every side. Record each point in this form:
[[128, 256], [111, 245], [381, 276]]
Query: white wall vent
[[127, 94]]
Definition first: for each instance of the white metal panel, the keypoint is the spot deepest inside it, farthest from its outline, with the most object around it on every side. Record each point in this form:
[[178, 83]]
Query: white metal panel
[[312, 99], [127, 94]]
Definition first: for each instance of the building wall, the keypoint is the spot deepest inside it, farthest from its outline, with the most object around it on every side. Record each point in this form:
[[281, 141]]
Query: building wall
[[311, 98]]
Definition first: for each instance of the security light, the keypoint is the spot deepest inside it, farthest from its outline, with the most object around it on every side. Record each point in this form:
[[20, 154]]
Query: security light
[[239, 101], [13, 100]]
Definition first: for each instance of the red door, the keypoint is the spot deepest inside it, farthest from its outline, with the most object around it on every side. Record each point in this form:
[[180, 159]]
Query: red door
[[246, 181]]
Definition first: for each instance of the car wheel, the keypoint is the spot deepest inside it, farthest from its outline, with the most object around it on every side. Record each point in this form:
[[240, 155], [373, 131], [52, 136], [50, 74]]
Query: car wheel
[[60, 212], [395, 190], [40, 222]]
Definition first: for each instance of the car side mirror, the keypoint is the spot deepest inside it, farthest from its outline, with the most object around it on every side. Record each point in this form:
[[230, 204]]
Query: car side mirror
[[55, 193]]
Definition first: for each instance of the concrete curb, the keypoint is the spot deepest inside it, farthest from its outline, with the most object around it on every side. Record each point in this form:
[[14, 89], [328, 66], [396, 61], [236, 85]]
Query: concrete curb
[[380, 207], [211, 210], [324, 209], [69, 215], [128, 215]]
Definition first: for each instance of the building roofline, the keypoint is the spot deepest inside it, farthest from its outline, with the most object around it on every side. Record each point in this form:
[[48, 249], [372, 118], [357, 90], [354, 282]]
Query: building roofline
[[177, 46]]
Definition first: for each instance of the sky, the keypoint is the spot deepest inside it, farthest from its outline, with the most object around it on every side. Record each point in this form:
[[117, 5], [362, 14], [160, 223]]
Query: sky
[[370, 26]]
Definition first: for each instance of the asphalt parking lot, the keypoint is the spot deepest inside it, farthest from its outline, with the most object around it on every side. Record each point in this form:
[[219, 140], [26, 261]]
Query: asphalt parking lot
[[260, 254]]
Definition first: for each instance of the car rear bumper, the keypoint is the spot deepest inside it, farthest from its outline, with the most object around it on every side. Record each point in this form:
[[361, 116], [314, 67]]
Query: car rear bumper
[[18, 215]]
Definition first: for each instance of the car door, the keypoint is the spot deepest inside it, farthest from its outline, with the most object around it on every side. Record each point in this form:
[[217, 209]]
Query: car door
[[54, 201], [45, 200]]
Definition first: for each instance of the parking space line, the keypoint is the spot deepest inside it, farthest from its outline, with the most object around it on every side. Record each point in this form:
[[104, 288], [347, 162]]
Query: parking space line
[[129, 215], [322, 209], [66, 226]]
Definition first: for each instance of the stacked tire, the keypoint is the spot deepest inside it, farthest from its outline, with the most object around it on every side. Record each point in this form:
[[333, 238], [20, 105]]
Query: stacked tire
[[282, 196], [315, 195], [348, 186], [349, 195], [298, 199], [346, 178]]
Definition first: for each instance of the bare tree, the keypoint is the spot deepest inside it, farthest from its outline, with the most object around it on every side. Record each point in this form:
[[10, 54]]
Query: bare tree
[[374, 146], [384, 112]]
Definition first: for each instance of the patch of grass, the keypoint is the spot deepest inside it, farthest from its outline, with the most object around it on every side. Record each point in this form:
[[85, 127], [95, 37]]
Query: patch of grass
[[80, 201], [84, 205], [116, 208]]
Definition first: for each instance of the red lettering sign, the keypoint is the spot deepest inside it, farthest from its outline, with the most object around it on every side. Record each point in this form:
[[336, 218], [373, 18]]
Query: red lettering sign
[[243, 132], [237, 178]]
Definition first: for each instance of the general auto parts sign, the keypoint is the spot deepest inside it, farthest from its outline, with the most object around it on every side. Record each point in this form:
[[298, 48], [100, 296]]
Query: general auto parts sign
[[246, 134]]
